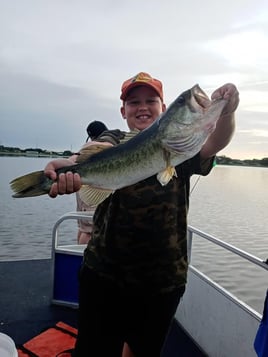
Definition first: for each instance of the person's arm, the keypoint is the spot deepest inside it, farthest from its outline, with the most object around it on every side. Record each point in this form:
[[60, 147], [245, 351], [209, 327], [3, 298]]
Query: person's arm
[[225, 126]]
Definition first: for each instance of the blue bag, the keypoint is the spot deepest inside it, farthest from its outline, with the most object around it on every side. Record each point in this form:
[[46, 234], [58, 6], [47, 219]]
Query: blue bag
[[261, 339]]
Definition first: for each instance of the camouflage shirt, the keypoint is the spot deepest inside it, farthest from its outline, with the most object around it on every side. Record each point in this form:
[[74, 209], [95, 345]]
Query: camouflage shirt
[[139, 232]]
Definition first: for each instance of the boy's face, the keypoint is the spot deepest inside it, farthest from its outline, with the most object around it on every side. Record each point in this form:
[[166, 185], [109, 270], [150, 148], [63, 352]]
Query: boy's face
[[142, 107]]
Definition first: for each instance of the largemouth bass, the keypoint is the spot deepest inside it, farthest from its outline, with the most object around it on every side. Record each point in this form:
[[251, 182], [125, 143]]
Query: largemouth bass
[[177, 135]]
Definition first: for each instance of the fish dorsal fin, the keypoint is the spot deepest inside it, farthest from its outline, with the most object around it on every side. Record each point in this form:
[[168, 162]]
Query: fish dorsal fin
[[129, 135], [90, 150], [93, 149], [166, 175], [90, 195], [93, 196]]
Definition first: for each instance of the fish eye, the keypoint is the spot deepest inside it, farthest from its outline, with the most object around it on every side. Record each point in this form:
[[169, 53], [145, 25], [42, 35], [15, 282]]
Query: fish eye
[[181, 100]]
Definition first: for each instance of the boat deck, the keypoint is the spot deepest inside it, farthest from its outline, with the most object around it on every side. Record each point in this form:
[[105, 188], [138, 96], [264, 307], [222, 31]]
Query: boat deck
[[26, 309]]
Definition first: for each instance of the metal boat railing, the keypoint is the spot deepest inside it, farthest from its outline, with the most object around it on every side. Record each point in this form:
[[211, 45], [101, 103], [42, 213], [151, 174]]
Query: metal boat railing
[[69, 215], [232, 322], [253, 259], [237, 320], [191, 232]]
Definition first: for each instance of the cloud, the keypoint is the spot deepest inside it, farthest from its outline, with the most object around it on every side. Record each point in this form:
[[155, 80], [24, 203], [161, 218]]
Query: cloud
[[257, 133], [62, 63], [35, 112]]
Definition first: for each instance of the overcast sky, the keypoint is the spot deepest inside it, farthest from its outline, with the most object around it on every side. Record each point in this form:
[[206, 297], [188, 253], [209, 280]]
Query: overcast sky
[[62, 64]]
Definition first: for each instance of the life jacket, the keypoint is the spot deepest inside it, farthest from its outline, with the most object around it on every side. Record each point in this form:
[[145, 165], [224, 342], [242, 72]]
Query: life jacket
[[56, 341]]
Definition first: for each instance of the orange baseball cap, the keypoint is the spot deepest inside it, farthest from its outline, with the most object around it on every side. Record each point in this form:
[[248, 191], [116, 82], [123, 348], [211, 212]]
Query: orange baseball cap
[[141, 79]]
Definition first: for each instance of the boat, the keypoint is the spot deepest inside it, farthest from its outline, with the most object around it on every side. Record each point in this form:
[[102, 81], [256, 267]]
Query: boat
[[210, 321]]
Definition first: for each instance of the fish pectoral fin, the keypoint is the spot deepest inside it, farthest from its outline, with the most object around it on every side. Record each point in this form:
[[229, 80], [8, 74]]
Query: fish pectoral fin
[[90, 150], [166, 175], [93, 196]]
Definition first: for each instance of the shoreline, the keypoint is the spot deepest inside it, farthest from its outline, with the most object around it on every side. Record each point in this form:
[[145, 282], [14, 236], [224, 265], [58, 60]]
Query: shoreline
[[219, 162]]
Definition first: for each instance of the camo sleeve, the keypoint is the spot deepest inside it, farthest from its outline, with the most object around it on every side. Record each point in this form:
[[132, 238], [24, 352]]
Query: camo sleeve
[[111, 136], [196, 166], [206, 165]]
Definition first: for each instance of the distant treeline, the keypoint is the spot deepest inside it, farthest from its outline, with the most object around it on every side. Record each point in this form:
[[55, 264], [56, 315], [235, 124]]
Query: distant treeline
[[37, 152], [224, 160]]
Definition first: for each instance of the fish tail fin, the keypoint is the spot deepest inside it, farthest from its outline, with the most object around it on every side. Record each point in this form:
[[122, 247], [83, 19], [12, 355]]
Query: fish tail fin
[[30, 185]]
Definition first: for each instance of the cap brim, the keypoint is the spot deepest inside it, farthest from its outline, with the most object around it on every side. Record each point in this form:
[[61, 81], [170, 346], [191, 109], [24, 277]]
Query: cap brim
[[138, 84]]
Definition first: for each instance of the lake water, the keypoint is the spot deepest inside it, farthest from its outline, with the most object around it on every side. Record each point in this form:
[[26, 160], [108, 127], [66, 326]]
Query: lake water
[[231, 204]]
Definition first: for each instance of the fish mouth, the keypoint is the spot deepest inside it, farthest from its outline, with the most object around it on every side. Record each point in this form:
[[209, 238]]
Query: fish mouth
[[208, 110], [200, 99]]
